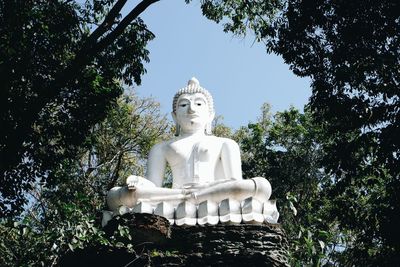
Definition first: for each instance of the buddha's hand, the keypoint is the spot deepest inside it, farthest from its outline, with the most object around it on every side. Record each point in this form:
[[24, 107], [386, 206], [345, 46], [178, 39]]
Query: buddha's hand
[[190, 194], [133, 182]]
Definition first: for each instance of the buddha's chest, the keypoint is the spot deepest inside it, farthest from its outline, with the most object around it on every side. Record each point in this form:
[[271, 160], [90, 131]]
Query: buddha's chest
[[185, 151], [194, 160]]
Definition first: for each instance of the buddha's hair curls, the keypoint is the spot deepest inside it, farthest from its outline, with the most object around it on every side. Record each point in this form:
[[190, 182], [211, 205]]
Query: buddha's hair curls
[[192, 88]]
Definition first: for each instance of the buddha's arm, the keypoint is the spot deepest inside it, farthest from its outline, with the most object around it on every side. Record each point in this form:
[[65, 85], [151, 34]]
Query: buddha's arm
[[231, 162], [156, 164]]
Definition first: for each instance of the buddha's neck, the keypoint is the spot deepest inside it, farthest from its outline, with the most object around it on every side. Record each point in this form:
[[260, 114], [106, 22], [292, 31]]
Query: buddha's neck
[[194, 133]]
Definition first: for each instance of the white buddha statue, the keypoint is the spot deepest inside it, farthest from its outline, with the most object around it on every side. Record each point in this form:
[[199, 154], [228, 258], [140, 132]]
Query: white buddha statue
[[204, 167]]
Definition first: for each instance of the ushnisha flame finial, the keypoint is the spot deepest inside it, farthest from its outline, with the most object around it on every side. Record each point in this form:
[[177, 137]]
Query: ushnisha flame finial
[[193, 81]]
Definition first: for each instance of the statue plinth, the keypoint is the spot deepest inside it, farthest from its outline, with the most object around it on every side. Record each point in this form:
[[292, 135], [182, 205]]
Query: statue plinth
[[157, 243], [230, 245], [144, 228]]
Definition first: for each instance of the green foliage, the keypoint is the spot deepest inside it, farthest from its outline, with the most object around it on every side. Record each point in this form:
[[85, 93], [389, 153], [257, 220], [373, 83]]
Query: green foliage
[[219, 129], [23, 245], [62, 65], [349, 49], [162, 253], [284, 149], [115, 149], [241, 16], [287, 149], [65, 218]]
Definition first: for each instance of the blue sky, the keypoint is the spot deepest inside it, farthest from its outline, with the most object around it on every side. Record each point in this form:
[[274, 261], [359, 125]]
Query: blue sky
[[240, 75]]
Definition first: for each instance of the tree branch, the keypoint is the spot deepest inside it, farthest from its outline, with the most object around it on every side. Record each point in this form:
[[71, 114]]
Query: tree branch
[[85, 54], [107, 23], [82, 58], [125, 23], [114, 176]]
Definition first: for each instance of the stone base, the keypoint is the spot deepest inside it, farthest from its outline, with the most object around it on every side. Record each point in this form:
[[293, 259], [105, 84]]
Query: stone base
[[159, 244], [230, 245]]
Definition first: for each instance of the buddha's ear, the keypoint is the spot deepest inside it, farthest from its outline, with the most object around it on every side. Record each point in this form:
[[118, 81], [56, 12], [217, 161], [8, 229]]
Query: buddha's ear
[[177, 126], [173, 116], [211, 117]]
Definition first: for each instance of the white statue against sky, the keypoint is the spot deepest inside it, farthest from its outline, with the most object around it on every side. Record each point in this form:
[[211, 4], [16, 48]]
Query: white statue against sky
[[204, 167]]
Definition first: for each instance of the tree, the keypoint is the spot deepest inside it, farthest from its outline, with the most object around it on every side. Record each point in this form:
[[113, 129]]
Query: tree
[[284, 148], [62, 66], [350, 52], [64, 218], [220, 129], [115, 148]]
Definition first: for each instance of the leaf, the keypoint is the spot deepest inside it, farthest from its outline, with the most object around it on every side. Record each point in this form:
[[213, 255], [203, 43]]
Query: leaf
[[292, 207], [323, 234], [321, 244]]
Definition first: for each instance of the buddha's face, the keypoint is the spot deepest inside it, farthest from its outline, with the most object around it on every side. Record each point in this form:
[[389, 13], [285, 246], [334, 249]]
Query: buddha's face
[[192, 112]]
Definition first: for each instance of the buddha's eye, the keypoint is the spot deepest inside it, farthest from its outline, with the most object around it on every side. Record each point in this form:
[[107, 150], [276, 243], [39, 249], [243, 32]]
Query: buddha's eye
[[199, 102], [183, 104]]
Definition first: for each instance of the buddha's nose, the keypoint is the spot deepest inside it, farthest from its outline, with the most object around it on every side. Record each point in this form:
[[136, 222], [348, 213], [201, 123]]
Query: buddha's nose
[[191, 109]]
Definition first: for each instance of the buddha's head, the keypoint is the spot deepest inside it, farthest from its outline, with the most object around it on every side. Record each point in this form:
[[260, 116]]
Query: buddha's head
[[193, 108]]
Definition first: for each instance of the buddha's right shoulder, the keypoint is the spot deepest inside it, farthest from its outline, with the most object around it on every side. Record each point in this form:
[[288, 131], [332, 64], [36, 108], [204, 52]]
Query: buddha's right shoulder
[[162, 146]]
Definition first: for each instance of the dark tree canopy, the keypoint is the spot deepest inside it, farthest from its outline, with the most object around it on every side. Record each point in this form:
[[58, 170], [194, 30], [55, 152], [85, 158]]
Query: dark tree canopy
[[350, 50], [285, 149], [62, 65]]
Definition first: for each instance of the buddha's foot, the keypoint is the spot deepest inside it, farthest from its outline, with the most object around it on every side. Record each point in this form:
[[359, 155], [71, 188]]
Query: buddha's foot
[[228, 211]]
